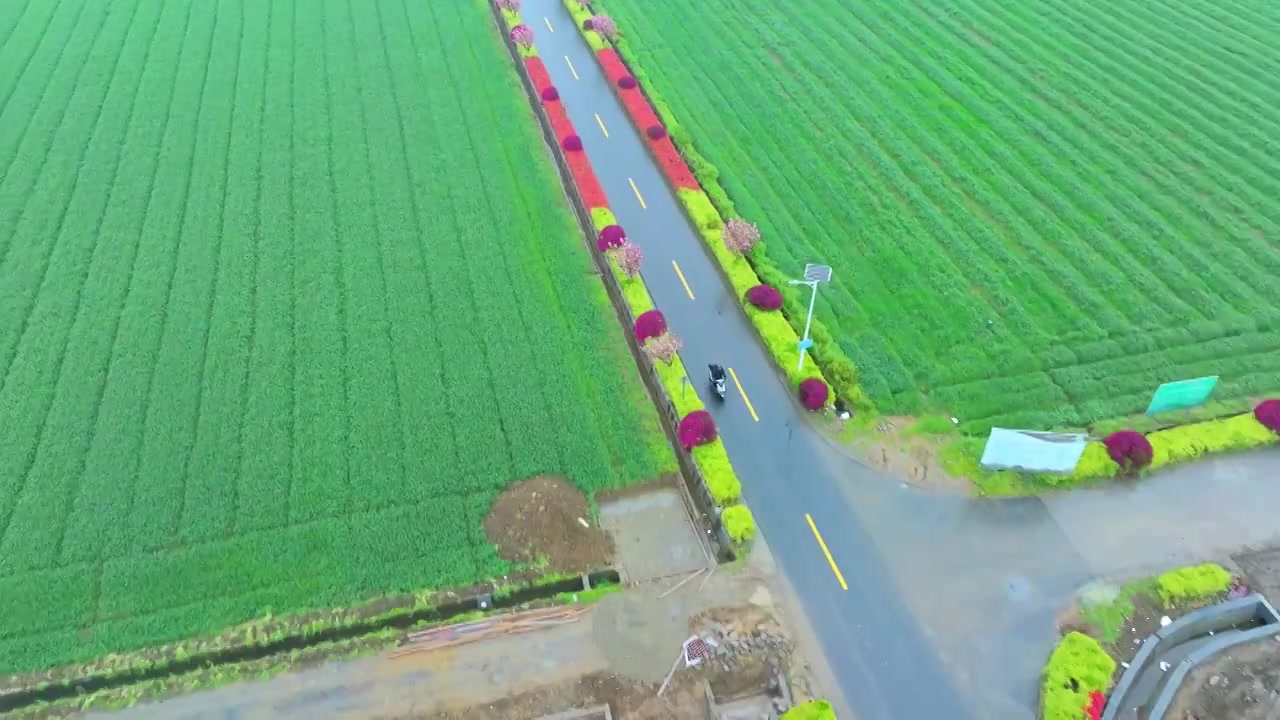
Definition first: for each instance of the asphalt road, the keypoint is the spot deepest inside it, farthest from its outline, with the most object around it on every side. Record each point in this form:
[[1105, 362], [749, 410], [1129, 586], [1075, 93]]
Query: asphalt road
[[883, 662]]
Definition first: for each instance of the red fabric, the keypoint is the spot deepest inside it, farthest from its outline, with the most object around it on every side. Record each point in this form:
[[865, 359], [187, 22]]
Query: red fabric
[[579, 164], [643, 116]]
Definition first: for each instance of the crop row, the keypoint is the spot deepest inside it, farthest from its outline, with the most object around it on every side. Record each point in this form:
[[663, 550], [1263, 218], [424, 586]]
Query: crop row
[[278, 270], [987, 181]]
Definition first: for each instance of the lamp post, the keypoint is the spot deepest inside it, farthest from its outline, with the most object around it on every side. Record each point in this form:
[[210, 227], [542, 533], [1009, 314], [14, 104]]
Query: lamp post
[[813, 274]]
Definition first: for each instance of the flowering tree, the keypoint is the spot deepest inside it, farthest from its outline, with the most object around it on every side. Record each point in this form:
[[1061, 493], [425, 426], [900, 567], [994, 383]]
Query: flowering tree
[[509, 5], [1268, 413], [522, 35], [814, 394], [605, 26], [650, 324], [664, 347], [696, 428], [765, 297], [629, 256], [1130, 449], [611, 236], [740, 236]]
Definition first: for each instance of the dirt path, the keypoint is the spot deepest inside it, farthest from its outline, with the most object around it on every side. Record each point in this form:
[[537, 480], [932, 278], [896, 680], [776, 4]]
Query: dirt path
[[626, 642]]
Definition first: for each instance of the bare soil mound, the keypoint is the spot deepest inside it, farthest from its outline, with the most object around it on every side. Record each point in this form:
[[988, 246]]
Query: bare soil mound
[[543, 518]]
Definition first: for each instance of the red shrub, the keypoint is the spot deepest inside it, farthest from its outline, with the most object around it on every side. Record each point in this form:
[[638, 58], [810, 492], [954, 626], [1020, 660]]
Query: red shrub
[[814, 394], [1268, 413], [650, 324], [1097, 703], [765, 297], [626, 82], [696, 428], [537, 73], [579, 164], [550, 94], [673, 166], [572, 143], [1130, 449], [609, 237], [655, 132]]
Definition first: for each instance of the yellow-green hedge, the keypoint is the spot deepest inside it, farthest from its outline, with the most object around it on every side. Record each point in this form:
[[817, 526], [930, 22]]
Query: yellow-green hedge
[[1169, 447], [1080, 658], [580, 15], [711, 459], [1190, 584], [513, 19], [811, 710]]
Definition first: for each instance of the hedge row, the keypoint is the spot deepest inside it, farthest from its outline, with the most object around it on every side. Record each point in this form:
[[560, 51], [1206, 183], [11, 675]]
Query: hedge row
[[1168, 447], [711, 459], [1077, 669]]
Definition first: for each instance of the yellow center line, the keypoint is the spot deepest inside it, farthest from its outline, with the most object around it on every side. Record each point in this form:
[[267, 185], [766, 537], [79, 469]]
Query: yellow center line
[[548, 22], [826, 552], [575, 72], [636, 190], [606, 132], [743, 393], [682, 280]]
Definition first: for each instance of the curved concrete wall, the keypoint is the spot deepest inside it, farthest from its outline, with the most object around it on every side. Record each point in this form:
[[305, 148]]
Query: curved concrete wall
[[1196, 624]]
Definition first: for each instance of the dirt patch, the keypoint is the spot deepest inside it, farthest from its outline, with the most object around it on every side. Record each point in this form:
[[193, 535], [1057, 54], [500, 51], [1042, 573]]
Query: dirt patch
[[1241, 684], [547, 518], [910, 456]]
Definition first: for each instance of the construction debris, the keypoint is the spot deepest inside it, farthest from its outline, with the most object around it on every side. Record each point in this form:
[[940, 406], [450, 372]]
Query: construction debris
[[509, 624]]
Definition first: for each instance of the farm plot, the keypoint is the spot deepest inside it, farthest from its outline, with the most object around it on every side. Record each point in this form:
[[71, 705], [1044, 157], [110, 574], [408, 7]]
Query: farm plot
[[289, 295], [1036, 211]]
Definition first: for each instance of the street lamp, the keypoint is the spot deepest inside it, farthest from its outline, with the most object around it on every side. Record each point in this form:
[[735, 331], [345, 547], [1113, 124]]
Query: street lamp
[[813, 274]]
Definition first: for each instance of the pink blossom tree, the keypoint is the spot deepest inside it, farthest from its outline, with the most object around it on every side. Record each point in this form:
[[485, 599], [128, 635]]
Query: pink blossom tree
[[605, 26], [629, 256], [740, 236], [522, 35], [509, 5], [664, 347]]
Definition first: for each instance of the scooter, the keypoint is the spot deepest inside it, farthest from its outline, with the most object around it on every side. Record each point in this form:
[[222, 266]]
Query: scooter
[[717, 381]]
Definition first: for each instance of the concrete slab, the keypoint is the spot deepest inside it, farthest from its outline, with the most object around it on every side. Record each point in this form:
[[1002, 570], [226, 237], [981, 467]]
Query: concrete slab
[[653, 535]]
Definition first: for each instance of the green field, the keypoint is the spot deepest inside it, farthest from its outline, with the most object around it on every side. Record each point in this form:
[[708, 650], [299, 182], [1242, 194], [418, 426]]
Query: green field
[[289, 295], [1037, 211]]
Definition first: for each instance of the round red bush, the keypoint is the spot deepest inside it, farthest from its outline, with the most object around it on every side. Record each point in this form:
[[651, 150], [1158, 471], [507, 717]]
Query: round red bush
[[765, 297], [814, 394], [650, 324], [611, 236], [696, 428], [655, 132], [550, 93], [572, 143], [626, 82], [1130, 449], [1268, 413]]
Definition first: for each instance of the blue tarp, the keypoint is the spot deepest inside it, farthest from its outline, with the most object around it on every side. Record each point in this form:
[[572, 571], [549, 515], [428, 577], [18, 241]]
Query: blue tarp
[[1033, 450]]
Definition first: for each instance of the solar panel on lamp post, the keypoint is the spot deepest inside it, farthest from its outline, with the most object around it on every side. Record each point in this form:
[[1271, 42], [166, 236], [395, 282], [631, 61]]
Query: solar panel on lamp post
[[813, 274]]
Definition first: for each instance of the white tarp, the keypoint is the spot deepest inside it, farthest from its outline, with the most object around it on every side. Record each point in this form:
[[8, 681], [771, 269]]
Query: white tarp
[[1033, 450]]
